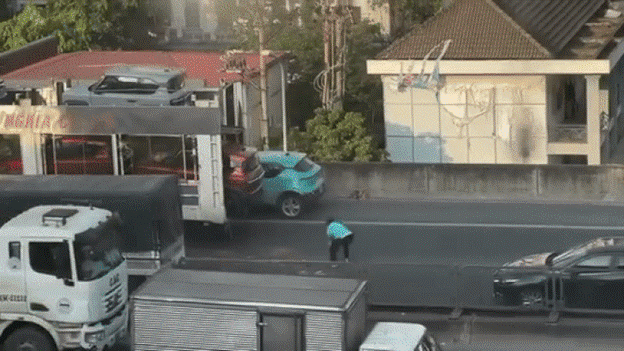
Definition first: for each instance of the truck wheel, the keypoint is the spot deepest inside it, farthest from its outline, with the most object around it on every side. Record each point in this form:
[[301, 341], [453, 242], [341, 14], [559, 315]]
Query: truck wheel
[[290, 205], [28, 339]]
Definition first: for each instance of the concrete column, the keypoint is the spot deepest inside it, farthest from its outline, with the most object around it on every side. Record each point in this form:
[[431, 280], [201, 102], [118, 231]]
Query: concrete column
[[31, 152], [593, 118]]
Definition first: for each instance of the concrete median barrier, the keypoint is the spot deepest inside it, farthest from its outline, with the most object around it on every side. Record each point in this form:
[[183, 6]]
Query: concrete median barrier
[[538, 182]]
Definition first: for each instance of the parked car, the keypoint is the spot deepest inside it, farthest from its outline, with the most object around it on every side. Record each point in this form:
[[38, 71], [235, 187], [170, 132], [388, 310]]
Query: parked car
[[291, 180], [590, 275], [78, 155], [133, 86]]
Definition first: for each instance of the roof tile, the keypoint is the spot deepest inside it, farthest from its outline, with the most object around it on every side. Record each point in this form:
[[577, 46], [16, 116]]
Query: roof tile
[[553, 22], [479, 29]]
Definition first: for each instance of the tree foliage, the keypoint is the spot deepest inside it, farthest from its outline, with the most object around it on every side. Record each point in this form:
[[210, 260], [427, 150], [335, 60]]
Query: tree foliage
[[301, 33], [79, 24], [337, 136]]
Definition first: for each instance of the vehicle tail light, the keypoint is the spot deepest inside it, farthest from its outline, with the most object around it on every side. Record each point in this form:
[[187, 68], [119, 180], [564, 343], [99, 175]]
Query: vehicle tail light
[[238, 175]]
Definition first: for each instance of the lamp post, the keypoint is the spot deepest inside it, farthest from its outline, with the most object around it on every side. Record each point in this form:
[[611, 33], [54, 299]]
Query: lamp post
[[264, 121]]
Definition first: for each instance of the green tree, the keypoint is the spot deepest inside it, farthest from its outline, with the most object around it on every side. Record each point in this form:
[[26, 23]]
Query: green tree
[[337, 135], [27, 26], [79, 24], [301, 33]]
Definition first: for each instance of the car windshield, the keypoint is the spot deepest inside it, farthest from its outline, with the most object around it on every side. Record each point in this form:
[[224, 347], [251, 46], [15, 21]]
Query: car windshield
[[304, 165], [97, 251], [563, 259]]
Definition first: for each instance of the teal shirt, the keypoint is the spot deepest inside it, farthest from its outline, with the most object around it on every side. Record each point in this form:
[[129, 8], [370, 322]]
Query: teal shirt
[[337, 230]]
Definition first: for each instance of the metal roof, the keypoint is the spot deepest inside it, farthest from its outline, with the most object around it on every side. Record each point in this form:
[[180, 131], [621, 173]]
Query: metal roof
[[91, 65], [394, 336], [553, 22], [251, 290], [516, 30]]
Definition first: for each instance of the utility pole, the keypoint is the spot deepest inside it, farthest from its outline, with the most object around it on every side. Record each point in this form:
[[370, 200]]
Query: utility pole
[[264, 120], [331, 81]]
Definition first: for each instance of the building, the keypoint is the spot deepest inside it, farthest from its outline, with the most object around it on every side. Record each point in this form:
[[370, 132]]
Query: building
[[536, 82], [42, 82], [197, 21]]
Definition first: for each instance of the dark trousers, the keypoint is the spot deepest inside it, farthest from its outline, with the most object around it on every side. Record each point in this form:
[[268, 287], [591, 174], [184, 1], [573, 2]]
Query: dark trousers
[[335, 246]]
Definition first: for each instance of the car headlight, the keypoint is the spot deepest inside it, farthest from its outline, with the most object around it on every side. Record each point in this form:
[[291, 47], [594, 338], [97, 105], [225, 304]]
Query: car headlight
[[508, 280], [94, 337]]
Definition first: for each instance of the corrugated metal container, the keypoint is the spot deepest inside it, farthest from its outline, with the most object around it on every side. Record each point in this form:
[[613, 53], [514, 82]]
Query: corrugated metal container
[[184, 309]]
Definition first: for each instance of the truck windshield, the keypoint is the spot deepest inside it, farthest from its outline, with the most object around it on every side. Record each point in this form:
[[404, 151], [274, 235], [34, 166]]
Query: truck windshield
[[97, 251]]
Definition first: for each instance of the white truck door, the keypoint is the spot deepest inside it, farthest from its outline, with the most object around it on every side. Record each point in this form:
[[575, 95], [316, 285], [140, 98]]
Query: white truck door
[[13, 281], [50, 280]]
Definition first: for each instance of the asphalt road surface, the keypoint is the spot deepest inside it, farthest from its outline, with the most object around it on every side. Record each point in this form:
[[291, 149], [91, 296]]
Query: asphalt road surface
[[398, 238], [453, 232]]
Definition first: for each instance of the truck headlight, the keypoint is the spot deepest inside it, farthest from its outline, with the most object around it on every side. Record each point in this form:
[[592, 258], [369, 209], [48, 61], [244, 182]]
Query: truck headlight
[[94, 337]]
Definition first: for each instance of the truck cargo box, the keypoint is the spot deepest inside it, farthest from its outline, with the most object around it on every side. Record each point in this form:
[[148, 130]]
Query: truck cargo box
[[149, 206], [184, 309]]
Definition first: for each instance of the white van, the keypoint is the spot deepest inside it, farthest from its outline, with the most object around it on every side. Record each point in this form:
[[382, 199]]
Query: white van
[[394, 336]]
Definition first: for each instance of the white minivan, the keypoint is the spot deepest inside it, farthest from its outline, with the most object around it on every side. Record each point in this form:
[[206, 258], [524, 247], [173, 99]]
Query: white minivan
[[395, 336]]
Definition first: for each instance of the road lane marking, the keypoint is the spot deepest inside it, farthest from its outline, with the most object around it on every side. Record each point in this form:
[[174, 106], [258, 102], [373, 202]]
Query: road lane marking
[[437, 224]]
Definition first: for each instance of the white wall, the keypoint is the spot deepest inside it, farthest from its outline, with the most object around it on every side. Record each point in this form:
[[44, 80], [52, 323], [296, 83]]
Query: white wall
[[474, 119]]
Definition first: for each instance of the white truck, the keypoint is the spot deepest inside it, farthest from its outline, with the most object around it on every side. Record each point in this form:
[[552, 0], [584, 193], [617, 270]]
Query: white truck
[[149, 208], [63, 281]]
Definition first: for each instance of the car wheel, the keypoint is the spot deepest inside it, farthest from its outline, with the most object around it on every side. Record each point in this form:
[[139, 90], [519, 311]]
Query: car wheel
[[290, 205], [532, 298]]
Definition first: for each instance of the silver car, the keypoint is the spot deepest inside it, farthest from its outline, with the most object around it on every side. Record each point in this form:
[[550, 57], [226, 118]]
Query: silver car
[[133, 86]]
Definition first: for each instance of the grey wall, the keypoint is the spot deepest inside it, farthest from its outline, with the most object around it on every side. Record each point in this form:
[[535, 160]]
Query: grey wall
[[404, 180]]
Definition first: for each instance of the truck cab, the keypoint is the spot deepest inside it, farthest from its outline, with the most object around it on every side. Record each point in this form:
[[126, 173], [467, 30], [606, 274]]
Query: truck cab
[[63, 279], [395, 336]]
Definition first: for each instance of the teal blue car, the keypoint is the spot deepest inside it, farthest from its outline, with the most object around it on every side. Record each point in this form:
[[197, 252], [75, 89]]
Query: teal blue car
[[291, 181]]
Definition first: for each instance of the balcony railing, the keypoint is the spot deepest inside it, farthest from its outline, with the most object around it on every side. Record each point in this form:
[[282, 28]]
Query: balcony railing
[[568, 133]]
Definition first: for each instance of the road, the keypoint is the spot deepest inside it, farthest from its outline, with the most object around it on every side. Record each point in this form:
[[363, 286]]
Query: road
[[395, 237], [440, 232]]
